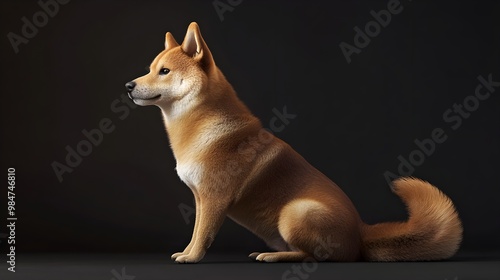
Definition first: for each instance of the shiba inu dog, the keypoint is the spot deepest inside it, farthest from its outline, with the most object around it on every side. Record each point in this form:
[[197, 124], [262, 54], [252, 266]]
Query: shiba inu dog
[[236, 168]]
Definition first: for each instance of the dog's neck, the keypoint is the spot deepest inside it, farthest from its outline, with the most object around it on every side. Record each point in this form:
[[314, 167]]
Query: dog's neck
[[178, 110], [189, 120]]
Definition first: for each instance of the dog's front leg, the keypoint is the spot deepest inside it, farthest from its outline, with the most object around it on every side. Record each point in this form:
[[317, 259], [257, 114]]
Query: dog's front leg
[[195, 229], [213, 211]]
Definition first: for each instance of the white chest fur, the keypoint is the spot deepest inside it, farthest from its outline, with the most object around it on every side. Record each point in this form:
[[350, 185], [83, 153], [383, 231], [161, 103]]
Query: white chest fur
[[190, 173]]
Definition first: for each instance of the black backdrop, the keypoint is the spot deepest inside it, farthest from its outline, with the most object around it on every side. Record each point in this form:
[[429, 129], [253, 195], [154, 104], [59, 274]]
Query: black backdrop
[[353, 119]]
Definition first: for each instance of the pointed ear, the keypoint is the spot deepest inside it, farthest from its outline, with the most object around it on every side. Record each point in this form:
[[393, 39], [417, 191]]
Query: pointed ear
[[194, 45], [170, 41]]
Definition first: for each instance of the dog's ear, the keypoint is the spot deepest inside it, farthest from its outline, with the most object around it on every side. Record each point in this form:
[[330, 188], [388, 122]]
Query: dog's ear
[[170, 41], [194, 46]]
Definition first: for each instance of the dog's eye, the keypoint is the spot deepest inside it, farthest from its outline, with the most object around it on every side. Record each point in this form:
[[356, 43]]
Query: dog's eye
[[164, 71]]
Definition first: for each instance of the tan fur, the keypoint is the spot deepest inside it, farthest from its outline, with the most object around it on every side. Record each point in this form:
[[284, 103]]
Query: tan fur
[[235, 168], [433, 230]]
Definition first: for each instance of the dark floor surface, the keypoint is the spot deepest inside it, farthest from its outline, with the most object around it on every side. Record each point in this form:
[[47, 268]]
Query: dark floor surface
[[237, 266]]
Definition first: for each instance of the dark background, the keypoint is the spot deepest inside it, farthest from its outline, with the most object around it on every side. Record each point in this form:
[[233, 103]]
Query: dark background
[[353, 120]]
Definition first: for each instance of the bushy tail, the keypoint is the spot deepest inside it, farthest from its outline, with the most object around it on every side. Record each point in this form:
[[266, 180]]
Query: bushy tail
[[432, 232]]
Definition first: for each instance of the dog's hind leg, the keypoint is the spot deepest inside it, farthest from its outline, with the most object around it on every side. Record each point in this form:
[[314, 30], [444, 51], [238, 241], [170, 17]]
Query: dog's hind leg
[[315, 231]]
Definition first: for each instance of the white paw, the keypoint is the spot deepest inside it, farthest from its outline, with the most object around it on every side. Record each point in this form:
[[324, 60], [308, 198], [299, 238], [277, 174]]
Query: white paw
[[176, 255], [267, 257], [189, 258]]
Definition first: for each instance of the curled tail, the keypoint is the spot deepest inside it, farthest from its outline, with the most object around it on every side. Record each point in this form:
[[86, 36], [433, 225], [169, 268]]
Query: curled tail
[[433, 230]]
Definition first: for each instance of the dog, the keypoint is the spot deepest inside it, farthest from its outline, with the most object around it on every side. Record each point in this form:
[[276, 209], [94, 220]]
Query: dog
[[235, 168]]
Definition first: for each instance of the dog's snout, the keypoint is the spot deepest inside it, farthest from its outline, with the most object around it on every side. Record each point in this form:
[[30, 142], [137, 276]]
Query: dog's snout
[[130, 86]]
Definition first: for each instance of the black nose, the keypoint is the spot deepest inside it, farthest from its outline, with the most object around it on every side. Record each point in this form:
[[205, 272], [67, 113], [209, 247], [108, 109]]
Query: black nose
[[130, 86]]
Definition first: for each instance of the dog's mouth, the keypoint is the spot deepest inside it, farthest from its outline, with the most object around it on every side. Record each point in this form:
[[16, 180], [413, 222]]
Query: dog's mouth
[[144, 99]]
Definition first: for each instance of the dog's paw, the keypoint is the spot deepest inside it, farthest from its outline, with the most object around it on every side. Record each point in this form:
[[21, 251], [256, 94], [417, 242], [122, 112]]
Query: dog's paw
[[266, 257], [176, 255], [189, 258], [254, 255]]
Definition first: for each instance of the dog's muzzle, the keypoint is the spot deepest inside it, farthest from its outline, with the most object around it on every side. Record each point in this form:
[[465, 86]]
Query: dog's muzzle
[[130, 87]]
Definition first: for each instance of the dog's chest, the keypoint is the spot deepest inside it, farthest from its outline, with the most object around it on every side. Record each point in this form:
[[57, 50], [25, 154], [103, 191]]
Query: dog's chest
[[190, 173]]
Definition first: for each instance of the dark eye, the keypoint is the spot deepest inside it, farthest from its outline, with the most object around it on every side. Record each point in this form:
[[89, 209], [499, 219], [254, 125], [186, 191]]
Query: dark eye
[[164, 71]]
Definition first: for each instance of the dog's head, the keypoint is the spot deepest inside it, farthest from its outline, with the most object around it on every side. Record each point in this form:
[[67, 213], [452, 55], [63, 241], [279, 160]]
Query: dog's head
[[180, 72]]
